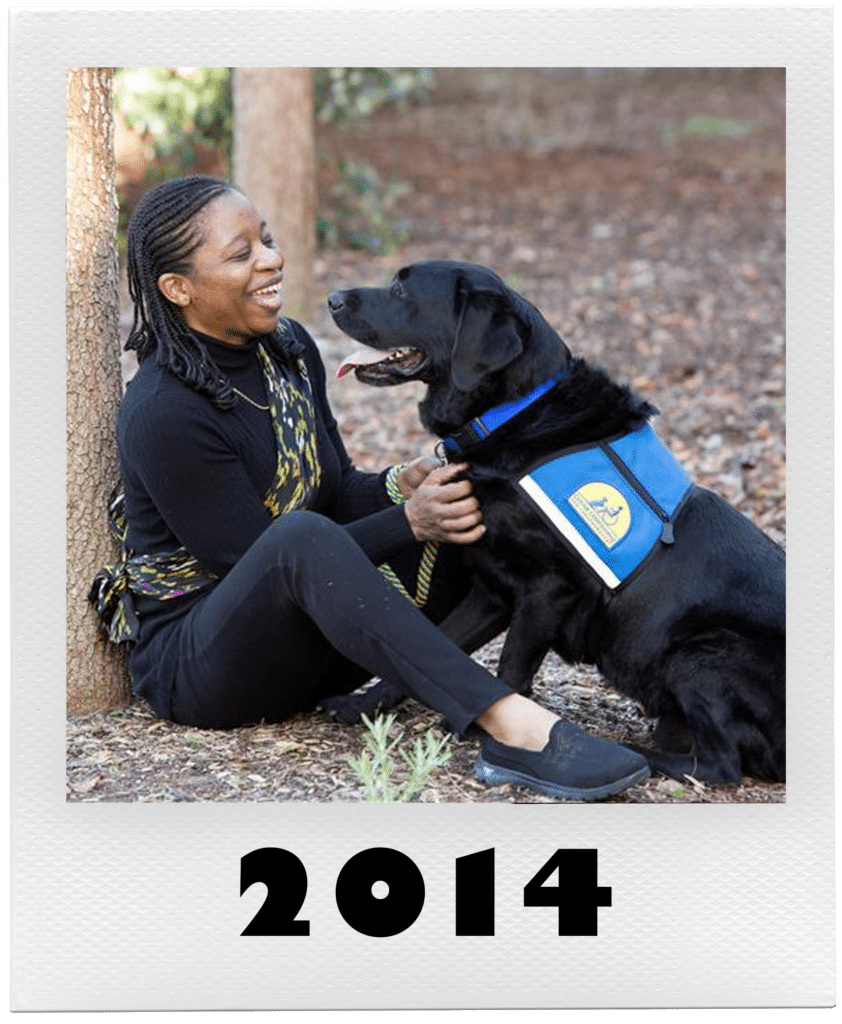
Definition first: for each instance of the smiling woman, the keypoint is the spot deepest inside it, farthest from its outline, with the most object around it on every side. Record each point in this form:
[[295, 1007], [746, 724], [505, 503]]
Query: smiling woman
[[249, 584], [232, 289]]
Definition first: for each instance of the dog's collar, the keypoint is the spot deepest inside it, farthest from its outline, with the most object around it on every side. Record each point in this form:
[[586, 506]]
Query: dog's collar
[[453, 447]]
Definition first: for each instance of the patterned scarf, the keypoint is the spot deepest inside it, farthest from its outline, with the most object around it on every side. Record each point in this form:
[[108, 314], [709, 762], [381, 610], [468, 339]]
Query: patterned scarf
[[298, 472], [173, 574]]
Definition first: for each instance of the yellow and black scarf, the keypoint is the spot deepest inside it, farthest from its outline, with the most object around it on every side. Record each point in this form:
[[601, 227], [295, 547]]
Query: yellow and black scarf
[[173, 574]]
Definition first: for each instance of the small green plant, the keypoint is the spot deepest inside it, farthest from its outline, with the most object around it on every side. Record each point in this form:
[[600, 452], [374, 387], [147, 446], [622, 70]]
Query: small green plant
[[363, 208], [376, 765], [714, 127], [709, 126]]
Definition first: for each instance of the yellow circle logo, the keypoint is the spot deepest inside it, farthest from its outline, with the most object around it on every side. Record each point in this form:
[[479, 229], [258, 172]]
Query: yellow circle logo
[[604, 510]]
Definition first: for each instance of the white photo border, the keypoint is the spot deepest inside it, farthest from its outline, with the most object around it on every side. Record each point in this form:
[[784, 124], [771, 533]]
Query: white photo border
[[137, 907]]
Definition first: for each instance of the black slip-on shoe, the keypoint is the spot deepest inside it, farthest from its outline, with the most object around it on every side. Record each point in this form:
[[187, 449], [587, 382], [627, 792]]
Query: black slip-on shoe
[[573, 765]]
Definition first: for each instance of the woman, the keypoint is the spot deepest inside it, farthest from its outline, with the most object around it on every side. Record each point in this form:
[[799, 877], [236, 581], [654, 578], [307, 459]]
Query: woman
[[249, 586]]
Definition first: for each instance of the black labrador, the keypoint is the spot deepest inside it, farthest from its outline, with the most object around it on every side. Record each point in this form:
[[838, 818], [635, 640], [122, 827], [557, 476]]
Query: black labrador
[[697, 635]]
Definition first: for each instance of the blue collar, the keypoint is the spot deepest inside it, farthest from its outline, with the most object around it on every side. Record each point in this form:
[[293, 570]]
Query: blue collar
[[480, 427]]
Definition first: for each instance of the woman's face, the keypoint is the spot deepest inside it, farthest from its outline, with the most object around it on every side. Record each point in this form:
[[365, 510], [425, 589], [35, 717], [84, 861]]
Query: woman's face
[[232, 290]]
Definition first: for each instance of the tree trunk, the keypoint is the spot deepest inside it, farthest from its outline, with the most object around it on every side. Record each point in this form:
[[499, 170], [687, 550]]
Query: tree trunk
[[96, 673], [275, 165]]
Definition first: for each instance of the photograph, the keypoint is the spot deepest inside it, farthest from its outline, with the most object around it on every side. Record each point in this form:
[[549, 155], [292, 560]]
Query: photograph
[[599, 253]]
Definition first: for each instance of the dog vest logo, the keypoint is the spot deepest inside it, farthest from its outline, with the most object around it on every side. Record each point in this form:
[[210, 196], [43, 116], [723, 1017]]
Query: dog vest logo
[[613, 502], [604, 510]]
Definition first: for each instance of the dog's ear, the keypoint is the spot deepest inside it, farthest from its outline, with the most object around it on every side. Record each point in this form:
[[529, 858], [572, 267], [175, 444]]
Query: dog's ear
[[487, 335]]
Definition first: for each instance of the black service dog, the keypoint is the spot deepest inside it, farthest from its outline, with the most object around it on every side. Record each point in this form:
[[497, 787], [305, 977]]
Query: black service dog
[[697, 635]]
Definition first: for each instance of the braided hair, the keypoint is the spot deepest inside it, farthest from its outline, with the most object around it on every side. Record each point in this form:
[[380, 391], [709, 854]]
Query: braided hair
[[164, 231]]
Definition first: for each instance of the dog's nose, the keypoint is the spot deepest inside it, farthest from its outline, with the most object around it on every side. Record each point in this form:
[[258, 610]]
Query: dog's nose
[[335, 301]]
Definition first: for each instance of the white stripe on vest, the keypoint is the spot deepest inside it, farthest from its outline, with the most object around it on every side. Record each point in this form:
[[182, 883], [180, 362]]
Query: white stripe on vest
[[613, 501]]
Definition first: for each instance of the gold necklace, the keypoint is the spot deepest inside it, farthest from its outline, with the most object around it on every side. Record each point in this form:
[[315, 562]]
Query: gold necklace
[[251, 401]]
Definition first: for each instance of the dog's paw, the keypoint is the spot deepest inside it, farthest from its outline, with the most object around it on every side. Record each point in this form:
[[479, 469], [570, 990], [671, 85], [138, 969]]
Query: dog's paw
[[349, 708], [720, 772], [672, 733], [345, 709]]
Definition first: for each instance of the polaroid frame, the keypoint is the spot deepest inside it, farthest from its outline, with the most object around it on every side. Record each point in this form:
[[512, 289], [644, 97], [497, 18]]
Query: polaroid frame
[[138, 906]]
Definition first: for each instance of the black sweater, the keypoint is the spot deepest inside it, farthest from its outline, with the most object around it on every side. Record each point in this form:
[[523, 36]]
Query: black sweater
[[194, 475]]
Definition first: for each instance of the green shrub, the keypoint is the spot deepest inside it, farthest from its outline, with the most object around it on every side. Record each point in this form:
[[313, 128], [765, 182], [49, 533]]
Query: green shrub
[[344, 94], [363, 212], [177, 110]]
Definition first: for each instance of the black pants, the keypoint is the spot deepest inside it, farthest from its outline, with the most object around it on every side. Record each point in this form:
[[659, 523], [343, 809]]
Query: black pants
[[304, 614]]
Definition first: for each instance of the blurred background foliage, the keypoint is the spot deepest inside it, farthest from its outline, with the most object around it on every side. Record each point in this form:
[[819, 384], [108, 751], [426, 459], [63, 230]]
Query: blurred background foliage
[[176, 112], [183, 118]]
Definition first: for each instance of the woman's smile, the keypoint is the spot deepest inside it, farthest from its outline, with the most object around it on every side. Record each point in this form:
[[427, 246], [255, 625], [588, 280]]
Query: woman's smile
[[270, 295]]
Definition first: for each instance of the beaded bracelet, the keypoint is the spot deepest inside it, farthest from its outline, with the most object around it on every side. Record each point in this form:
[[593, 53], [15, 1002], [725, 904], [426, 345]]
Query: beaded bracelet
[[395, 494]]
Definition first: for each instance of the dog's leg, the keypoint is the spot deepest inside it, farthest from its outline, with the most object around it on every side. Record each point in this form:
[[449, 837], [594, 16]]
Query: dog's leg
[[528, 641], [476, 620], [713, 757], [711, 681], [672, 731], [702, 767]]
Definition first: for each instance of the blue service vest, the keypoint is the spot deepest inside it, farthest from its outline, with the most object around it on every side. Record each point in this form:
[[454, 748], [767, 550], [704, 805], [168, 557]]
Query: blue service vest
[[614, 501]]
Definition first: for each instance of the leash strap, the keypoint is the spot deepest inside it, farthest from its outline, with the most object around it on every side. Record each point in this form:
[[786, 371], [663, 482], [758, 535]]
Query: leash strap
[[429, 552], [423, 578]]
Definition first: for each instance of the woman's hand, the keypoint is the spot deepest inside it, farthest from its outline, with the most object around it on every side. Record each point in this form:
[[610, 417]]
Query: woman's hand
[[415, 473], [443, 509]]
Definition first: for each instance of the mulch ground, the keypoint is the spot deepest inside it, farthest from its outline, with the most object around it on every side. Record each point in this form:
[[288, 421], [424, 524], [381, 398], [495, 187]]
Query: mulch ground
[[643, 212]]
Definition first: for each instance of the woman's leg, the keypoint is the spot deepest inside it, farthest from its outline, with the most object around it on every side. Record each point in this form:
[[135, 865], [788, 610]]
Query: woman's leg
[[448, 583], [258, 646], [473, 624]]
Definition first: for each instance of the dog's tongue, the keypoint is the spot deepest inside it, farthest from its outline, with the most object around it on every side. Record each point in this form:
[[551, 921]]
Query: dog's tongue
[[362, 357]]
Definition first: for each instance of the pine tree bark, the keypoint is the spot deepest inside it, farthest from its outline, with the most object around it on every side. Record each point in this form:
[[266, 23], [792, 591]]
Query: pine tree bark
[[96, 672], [275, 165]]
